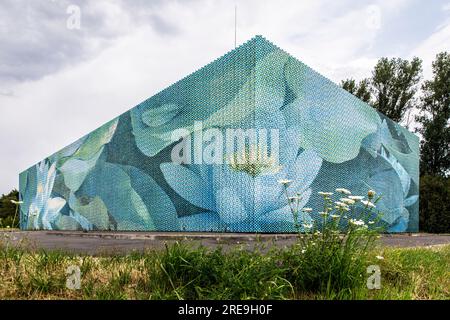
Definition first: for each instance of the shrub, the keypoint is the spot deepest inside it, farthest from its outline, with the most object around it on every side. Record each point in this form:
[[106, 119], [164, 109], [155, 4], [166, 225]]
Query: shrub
[[434, 204], [9, 222], [8, 210], [331, 256]]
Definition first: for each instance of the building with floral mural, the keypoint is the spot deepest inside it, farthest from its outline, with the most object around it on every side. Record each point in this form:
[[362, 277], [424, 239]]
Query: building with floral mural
[[123, 175]]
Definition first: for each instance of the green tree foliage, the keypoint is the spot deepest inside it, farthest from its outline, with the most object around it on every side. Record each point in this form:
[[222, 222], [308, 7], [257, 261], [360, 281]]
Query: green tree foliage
[[7, 208], [434, 204], [434, 118], [361, 89], [394, 85]]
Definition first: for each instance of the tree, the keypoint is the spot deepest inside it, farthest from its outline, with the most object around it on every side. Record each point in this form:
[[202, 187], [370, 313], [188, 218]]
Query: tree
[[434, 205], [8, 217], [361, 89], [394, 85], [7, 208], [434, 118]]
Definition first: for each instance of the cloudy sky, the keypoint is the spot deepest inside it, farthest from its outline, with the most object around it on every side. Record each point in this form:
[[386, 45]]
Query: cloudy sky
[[61, 77]]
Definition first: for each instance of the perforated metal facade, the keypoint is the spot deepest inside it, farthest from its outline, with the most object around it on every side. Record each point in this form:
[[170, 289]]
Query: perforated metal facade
[[122, 177]]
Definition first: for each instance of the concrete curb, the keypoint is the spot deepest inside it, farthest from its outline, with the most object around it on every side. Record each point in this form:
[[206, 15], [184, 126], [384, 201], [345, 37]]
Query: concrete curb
[[174, 236]]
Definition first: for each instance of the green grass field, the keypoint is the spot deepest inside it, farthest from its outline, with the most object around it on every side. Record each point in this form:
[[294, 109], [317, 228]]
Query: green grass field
[[197, 273]]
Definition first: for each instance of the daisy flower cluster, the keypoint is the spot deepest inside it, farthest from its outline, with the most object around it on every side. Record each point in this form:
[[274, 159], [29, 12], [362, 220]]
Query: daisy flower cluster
[[334, 210]]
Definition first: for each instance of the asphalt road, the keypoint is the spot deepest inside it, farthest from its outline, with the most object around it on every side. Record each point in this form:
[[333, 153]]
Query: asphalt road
[[99, 243]]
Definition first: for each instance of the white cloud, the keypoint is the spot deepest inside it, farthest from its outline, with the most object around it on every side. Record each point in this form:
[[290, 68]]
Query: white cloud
[[439, 41]]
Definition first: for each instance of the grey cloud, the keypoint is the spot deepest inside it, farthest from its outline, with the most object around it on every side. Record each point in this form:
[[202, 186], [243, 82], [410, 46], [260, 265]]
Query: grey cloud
[[35, 42], [149, 12], [162, 26], [7, 93], [34, 39]]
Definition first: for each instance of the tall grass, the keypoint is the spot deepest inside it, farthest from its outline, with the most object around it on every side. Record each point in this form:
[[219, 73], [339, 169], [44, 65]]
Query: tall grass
[[331, 256], [185, 272]]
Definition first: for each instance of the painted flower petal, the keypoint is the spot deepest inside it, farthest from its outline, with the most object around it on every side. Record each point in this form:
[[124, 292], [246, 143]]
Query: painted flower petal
[[155, 117], [268, 192], [54, 206], [149, 142], [158, 203], [391, 203], [113, 185], [82, 221], [28, 186], [207, 221], [401, 224], [270, 84], [50, 181], [96, 140], [304, 171], [409, 161], [405, 179], [229, 206], [410, 200], [333, 129], [67, 223], [282, 214], [268, 88], [242, 184], [75, 170], [288, 138], [95, 212], [67, 151], [189, 185]]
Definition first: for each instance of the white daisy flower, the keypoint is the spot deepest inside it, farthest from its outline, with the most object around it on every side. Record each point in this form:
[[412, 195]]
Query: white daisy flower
[[368, 204], [358, 223], [347, 201], [356, 198], [344, 191]]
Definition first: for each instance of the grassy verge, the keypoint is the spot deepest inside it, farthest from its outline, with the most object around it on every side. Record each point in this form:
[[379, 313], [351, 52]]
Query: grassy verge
[[196, 273]]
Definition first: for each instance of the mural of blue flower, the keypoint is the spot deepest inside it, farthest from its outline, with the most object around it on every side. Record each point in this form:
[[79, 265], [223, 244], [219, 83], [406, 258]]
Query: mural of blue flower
[[245, 198], [122, 176], [44, 209]]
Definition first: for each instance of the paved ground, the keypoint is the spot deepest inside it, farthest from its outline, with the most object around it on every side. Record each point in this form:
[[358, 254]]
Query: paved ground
[[124, 242]]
